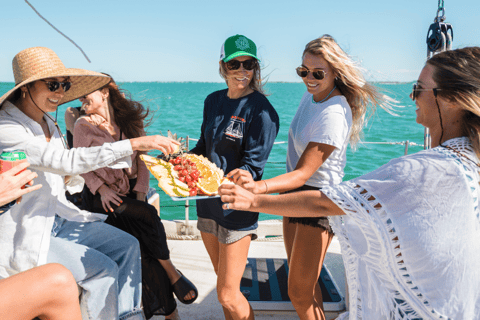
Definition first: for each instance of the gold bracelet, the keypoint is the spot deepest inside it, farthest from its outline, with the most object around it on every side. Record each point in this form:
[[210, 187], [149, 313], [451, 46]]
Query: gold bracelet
[[266, 186]]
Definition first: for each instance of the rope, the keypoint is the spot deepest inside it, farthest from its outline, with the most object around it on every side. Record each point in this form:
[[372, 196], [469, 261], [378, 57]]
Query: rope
[[275, 238], [38, 13], [394, 143], [362, 142], [173, 236]]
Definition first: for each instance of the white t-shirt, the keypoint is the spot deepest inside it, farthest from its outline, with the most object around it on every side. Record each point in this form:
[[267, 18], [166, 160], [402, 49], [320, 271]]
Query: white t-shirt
[[328, 123]]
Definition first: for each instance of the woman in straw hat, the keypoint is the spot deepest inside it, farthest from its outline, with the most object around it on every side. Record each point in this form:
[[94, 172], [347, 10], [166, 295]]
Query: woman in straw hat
[[45, 227], [410, 230], [238, 130]]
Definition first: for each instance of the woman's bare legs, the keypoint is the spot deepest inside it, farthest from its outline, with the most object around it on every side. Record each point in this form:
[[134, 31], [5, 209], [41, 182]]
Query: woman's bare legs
[[289, 231], [306, 248], [229, 261], [48, 292], [213, 248]]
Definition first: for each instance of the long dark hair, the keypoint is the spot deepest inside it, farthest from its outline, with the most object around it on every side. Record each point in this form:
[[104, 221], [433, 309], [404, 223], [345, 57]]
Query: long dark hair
[[128, 114], [457, 75]]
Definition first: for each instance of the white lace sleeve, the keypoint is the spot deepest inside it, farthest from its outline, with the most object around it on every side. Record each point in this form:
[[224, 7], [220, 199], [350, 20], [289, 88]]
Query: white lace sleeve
[[400, 250]]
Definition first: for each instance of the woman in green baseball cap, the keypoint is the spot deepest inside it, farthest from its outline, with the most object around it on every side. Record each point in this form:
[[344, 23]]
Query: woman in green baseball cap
[[239, 51], [238, 131]]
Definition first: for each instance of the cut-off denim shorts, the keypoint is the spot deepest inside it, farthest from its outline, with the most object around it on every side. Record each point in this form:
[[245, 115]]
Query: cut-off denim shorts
[[224, 235]]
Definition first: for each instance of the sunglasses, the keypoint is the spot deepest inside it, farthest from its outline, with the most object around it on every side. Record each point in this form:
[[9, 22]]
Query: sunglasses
[[54, 85], [416, 91], [318, 74], [247, 64]]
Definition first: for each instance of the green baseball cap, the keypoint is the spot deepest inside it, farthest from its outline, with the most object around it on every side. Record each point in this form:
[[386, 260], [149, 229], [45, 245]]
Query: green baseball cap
[[237, 46]]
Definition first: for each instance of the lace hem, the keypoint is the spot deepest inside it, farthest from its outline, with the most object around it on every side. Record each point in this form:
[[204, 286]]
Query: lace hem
[[465, 157], [360, 205]]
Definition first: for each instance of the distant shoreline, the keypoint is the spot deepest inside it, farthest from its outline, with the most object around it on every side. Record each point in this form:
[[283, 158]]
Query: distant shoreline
[[379, 82]]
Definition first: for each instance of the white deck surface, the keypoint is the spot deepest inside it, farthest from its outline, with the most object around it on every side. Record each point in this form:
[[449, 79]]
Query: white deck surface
[[192, 259]]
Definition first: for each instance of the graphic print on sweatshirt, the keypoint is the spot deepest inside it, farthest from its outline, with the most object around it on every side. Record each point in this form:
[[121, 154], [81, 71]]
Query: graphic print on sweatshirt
[[235, 127]]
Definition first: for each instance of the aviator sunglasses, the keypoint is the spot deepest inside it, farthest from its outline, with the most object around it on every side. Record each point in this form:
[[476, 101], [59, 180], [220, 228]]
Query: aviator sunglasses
[[54, 85], [247, 64], [318, 74], [416, 90]]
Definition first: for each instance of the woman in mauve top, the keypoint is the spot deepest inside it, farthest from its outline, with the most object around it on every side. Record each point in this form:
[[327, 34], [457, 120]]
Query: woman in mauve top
[[121, 194]]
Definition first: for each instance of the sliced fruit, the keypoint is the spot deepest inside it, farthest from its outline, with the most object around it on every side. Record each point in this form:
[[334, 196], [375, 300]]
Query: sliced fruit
[[203, 165], [180, 193], [209, 183], [187, 175], [167, 177], [149, 160], [226, 181]]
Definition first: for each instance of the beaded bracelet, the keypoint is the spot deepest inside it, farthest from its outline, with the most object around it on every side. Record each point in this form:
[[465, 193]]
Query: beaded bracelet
[[266, 186]]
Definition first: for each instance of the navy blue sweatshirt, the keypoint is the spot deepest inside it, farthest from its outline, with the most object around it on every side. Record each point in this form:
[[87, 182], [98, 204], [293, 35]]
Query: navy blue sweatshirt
[[236, 133]]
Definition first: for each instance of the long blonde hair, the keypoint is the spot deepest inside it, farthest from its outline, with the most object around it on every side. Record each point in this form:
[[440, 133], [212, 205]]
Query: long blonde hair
[[457, 76], [349, 80]]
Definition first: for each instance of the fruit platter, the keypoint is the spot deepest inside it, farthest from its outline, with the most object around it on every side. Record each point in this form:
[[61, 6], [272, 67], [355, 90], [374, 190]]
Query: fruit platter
[[186, 176]]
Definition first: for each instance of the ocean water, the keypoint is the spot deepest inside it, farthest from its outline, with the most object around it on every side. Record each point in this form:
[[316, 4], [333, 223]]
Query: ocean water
[[178, 107]]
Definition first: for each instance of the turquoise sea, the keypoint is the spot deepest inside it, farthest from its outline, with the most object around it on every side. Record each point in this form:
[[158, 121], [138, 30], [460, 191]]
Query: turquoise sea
[[178, 107]]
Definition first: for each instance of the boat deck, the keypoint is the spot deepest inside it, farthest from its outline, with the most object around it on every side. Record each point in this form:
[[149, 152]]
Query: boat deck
[[190, 256]]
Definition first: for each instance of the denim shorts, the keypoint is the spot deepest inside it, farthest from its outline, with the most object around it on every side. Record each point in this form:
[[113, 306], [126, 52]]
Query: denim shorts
[[319, 222], [224, 235]]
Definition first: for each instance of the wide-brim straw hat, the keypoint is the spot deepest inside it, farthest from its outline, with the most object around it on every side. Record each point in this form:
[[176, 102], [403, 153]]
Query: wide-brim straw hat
[[38, 63]]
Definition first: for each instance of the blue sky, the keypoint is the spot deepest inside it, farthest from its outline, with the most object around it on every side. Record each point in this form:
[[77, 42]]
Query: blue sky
[[157, 40]]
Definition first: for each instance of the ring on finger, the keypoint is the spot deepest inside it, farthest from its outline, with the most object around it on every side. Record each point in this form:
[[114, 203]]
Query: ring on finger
[[227, 206]]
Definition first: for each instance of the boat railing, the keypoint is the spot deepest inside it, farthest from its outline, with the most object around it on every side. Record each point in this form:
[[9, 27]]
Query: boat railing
[[186, 205]]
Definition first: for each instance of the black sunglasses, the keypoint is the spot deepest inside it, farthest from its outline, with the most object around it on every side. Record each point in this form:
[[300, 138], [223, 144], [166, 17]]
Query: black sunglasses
[[416, 90], [54, 85], [249, 64], [318, 74]]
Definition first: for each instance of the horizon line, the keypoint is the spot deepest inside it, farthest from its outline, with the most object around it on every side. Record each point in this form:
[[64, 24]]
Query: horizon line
[[382, 82]]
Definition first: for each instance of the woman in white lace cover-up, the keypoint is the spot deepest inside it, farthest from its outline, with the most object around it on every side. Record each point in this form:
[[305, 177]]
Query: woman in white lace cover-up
[[410, 230]]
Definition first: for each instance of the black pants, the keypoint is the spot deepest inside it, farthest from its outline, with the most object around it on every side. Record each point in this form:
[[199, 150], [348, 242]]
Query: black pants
[[141, 220]]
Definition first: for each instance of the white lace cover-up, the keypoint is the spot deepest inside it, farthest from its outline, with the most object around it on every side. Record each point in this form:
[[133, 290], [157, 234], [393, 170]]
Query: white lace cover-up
[[411, 236]]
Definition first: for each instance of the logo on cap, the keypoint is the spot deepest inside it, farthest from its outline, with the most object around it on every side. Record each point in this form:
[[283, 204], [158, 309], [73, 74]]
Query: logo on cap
[[242, 43]]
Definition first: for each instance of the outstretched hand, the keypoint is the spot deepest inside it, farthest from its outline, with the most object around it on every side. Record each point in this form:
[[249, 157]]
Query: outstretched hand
[[243, 178], [157, 142], [12, 181], [236, 197]]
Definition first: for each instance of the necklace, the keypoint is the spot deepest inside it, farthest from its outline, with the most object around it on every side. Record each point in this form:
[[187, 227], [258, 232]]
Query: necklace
[[325, 97], [460, 154], [65, 144]]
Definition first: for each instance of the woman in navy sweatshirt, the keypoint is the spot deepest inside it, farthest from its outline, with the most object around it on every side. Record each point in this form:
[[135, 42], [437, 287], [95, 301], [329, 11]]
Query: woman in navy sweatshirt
[[238, 131]]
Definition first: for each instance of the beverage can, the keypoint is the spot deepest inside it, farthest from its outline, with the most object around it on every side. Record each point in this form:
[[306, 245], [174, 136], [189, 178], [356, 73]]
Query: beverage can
[[10, 159]]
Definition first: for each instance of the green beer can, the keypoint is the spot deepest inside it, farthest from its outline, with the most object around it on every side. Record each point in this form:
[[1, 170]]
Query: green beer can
[[10, 159]]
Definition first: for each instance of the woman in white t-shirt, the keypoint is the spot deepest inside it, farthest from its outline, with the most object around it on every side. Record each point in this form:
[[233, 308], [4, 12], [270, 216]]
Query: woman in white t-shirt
[[330, 115], [409, 230]]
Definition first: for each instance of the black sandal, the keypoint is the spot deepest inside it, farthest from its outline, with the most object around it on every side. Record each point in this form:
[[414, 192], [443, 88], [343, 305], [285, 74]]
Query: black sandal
[[182, 287]]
